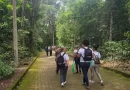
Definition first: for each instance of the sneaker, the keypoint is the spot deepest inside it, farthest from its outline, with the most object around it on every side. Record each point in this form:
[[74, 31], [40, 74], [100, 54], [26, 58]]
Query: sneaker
[[80, 72], [62, 84], [102, 83], [83, 83], [91, 81], [77, 72], [88, 88], [56, 72]]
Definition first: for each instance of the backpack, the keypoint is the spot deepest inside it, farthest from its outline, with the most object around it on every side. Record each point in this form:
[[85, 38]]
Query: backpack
[[60, 60], [87, 55], [77, 56], [96, 59]]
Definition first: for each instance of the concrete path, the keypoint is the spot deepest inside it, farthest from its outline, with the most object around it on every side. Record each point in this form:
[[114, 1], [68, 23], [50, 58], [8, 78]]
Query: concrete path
[[42, 76]]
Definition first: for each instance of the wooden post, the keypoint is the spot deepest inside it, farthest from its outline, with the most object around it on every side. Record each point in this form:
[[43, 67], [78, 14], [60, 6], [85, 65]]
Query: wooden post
[[15, 37]]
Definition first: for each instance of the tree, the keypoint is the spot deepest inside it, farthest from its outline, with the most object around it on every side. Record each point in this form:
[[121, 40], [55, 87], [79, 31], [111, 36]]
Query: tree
[[15, 38]]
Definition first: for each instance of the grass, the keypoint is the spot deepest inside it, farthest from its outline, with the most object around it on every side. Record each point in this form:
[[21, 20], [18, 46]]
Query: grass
[[29, 78]]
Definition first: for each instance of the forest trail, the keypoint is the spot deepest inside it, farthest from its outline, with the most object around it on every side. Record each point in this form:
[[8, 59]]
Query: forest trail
[[42, 76]]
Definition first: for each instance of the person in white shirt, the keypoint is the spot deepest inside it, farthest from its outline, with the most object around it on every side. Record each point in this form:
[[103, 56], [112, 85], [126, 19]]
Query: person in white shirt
[[86, 56], [77, 60], [95, 67], [63, 70]]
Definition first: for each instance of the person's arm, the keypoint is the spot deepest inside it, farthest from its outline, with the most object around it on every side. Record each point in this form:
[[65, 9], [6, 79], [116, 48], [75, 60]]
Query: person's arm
[[68, 63], [74, 53], [55, 53], [99, 55], [67, 60], [92, 54], [79, 53]]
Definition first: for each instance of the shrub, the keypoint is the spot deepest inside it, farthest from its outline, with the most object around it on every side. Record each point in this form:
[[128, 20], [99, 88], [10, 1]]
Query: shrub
[[5, 70], [116, 50], [24, 52]]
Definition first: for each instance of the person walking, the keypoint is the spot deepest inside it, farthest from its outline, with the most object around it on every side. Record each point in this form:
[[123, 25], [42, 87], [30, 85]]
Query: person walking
[[63, 62], [46, 49], [57, 52], [50, 50], [77, 60], [86, 56], [95, 67]]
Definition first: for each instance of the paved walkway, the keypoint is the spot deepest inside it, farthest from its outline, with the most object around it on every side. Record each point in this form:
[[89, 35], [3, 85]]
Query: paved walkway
[[42, 76]]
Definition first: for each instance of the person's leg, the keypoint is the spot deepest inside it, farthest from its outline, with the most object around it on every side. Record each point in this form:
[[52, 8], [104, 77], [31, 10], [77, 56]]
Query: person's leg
[[65, 73], [76, 64], [57, 68], [98, 74], [50, 53], [79, 67], [83, 70], [61, 75], [86, 68], [47, 53], [92, 74]]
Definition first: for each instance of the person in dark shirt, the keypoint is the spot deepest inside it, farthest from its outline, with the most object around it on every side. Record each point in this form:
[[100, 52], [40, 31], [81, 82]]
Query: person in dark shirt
[[50, 50], [77, 60], [46, 49]]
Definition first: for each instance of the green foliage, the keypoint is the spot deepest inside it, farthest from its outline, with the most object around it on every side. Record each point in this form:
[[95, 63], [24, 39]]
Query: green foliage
[[10, 7], [24, 52], [5, 70], [90, 19], [127, 34], [29, 31], [69, 22], [116, 50], [79, 22]]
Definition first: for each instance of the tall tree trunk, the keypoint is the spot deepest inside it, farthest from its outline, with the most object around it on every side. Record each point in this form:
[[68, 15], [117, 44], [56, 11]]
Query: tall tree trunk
[[111, 27], [15, 38], [53, 30], [22, 24], [112, 7]]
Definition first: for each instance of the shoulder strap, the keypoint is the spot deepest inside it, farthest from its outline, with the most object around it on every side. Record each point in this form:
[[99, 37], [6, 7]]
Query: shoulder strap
[[97, 52], [63, 54]]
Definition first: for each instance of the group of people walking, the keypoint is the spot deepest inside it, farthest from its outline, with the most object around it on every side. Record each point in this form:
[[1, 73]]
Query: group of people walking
[[48, 49], [84, 58]]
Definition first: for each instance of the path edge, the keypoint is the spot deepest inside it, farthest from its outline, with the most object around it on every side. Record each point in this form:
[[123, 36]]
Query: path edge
[[16, 82], [117, 71]]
